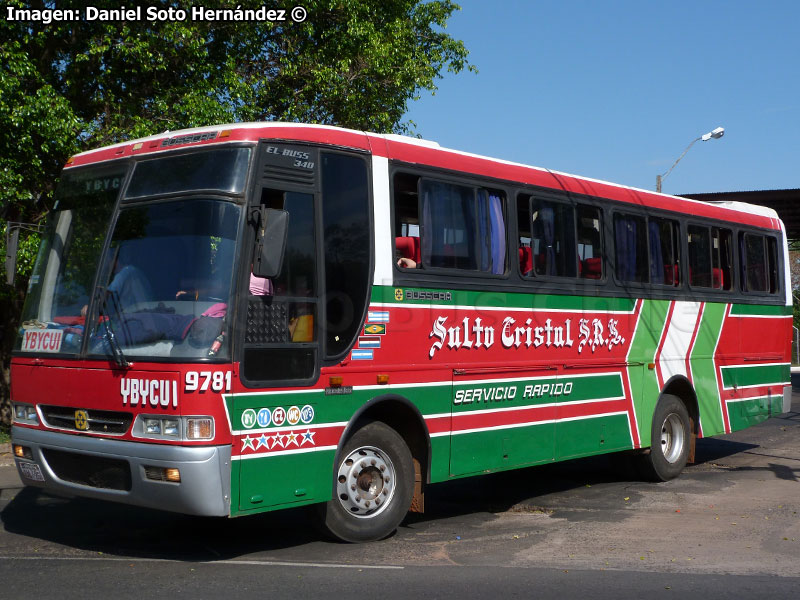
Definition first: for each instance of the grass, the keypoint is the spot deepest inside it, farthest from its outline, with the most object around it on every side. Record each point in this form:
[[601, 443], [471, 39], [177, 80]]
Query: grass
[[5, 434]]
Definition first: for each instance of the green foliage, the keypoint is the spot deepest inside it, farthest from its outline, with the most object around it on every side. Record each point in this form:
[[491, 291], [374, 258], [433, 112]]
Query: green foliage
[[796, 311], [71, 85], [66, 86]]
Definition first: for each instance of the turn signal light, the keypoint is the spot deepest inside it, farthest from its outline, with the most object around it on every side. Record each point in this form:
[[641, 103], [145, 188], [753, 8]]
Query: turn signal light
[[199, 428], [171, 474], [22, 452]]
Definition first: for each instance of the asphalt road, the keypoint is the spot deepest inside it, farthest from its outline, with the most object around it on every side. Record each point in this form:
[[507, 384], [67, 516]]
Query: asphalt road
[[729, 526]]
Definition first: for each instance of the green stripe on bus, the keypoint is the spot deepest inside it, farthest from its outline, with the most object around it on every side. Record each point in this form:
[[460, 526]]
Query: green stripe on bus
[[747, 375], [584, 437], [704, 375], [745, 413], [340, 407], [766, 310], [643, 380], [515, 301]]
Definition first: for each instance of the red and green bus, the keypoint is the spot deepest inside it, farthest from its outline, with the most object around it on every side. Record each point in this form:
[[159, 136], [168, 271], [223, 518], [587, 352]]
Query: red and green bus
[[246, 318]]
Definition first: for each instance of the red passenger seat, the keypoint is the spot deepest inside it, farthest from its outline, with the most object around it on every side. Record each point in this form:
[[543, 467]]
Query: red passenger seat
[[525, 259], [592, 268], [671, 276], [408, 247], [717, 279]]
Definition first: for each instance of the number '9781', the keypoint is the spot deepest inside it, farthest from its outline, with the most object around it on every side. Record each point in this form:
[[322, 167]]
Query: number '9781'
[[202, 381]]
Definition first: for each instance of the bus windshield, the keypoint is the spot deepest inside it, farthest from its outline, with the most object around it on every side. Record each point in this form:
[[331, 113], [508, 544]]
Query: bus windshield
[[165, 282]]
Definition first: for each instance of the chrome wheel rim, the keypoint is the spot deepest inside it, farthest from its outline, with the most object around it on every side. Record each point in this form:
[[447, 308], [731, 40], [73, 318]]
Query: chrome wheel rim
[[673, 438], [365, 482]]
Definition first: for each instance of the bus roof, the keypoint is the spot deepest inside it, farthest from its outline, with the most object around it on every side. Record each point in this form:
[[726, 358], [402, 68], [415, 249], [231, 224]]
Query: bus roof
[[424, 152]]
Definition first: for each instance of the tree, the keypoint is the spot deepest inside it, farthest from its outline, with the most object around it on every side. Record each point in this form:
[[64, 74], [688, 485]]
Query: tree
[[69, 85]]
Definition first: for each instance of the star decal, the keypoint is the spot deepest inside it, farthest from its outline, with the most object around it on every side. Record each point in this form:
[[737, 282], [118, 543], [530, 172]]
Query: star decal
[[247, 442], [277, 440], [263, 442], [308, 436], [291, 438]]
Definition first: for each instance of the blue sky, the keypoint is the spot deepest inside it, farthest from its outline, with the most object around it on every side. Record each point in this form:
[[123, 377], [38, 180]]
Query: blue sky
[[616, 90]]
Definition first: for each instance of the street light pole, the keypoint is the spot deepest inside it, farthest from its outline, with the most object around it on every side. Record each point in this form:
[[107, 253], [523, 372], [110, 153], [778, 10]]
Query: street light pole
[[714, 134]]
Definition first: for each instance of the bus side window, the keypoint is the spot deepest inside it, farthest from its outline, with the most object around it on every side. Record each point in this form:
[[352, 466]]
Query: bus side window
[[772, 260], [758, 259], [721, 258], [547, 243], [524, 249], [406, 219], [448, 226], [664, 252], [699, 256], [630, 240], [346, 239], [590, 242]]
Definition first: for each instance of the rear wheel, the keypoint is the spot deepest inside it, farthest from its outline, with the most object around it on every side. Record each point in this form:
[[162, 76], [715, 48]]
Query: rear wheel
[[374, 485], [671, 438]]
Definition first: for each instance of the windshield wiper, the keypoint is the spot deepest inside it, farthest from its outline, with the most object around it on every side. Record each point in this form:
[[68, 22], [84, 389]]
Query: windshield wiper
[[101, 295]]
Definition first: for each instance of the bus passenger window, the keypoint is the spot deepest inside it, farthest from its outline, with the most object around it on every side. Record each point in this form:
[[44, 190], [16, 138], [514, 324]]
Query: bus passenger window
[[699, 257], [721, 259], [630, 241], [551, 249], [664, 252], [756, 276], [406, 219], [772, 260], [590, 260], [448, 226]]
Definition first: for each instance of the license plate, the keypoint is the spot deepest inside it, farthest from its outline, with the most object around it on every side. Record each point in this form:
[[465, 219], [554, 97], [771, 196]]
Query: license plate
[[31, 471]]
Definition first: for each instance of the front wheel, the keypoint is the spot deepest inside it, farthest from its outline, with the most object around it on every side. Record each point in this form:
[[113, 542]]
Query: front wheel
[[671, 438], [374, 485]]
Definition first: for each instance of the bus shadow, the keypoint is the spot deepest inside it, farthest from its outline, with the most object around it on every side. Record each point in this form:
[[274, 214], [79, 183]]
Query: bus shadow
[[126, 531], [585, 483], [114, 529]]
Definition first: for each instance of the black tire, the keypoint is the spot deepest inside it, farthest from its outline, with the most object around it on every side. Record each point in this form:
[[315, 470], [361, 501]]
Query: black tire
[[374, 484], [670, 441]]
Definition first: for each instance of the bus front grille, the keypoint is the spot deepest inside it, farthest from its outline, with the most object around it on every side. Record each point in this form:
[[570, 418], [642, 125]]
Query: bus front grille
[[95, 421], [85, 469]]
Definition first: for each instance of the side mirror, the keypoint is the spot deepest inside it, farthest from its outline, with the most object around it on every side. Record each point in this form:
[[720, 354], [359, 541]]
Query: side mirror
[[271, 244]]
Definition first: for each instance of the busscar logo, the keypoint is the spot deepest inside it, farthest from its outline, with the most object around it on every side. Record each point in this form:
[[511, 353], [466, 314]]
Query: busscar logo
[[428, 295], [188, 139], [398, 294]]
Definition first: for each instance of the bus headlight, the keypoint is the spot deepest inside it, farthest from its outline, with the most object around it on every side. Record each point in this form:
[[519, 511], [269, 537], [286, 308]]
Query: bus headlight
[[25, 413], [171, 427], [161, 427], [158, 427]]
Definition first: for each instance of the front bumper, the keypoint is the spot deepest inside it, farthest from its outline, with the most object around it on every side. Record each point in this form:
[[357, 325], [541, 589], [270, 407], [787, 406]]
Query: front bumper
[[115, 470]]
